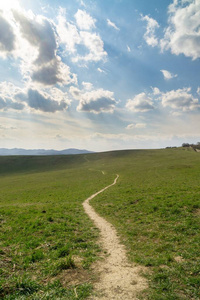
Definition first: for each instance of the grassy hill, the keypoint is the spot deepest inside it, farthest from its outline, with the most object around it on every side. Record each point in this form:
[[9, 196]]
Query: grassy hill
[[48, 243]]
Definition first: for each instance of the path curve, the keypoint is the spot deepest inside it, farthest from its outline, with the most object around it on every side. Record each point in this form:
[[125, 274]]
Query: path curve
[[118, 278]]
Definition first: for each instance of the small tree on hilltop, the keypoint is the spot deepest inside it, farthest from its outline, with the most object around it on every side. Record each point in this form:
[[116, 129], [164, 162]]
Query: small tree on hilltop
[[185, 145]]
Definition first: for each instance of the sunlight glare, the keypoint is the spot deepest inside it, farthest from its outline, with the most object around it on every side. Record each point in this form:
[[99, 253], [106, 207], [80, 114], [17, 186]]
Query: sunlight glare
[[9, 4]]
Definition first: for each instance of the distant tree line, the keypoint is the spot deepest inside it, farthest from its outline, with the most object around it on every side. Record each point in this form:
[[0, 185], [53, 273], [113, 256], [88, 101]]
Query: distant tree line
[[194, 146]]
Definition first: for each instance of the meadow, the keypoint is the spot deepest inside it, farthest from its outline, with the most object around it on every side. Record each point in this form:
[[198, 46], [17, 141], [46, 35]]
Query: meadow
[[156, 209], [48, 243]]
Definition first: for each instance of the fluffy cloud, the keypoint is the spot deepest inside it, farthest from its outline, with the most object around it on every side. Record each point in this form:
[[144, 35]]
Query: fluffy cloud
[[34, 39], [97, 101], [33, 42], [59, 95], [7, 103], [46, 67], [84, 20], [167, 75], [43, 102], [93, 101], [182, 36], [156, 91], [52, 100], [68, 33], [55, 72], [8, 89], [95, 45], [137, 126], [149, 35], [180, 99], [7, 100], [111, 24], [140, 103], [7, 37], [71, 36], [75, 92], [40, 34], [87, 85]]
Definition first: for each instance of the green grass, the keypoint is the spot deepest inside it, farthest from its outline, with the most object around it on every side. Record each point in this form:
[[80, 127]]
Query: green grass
[[49, 243], [156, 209]]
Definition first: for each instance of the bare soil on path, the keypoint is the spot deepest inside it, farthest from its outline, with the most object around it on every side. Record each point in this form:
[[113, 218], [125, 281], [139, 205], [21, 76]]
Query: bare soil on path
[[119, 280]]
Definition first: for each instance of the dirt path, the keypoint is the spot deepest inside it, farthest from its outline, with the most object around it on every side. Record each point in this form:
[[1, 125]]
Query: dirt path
[[118, 278]]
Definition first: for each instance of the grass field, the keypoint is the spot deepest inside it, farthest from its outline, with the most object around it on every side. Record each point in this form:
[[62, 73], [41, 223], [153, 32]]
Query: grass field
[[156, 209], [48, 243]]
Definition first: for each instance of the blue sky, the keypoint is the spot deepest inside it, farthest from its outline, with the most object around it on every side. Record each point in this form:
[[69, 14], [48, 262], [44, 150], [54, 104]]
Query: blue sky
[[99, 75]]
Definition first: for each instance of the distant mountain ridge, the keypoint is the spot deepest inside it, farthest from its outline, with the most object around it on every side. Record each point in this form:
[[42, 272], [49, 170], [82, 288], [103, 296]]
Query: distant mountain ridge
[[19, 151]]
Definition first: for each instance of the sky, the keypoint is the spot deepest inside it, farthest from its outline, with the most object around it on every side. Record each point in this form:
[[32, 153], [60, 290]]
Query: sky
[[99, 74]]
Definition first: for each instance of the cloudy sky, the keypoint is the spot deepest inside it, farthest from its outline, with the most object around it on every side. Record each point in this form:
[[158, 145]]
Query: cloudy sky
[[99, 74]]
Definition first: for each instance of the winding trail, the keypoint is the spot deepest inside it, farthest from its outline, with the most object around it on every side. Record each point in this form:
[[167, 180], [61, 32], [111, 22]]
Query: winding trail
[[118, 278]]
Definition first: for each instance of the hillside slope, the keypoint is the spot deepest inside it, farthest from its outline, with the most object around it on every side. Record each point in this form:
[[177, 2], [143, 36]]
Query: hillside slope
[[47, 238]]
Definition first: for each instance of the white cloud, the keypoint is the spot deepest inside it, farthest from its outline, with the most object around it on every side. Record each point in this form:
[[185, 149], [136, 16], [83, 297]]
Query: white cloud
[[137, 126], [87, 85], [84, 20], [167, 75], [97, 101], [111, 24], [95, 45], [140, 125], [33, 42], [100, 70], [75, 92], [198, 91], [58, 95], [9, 4], [44, 65], [140, 103], [8, 89], [180, 99], [156, 91], [128, 49], [182, 35], [49, 100], [149, 35], [68, 33], [39, 32], [71, 36], [7, 103], [7, 100], [55, 72], [93, 101]]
